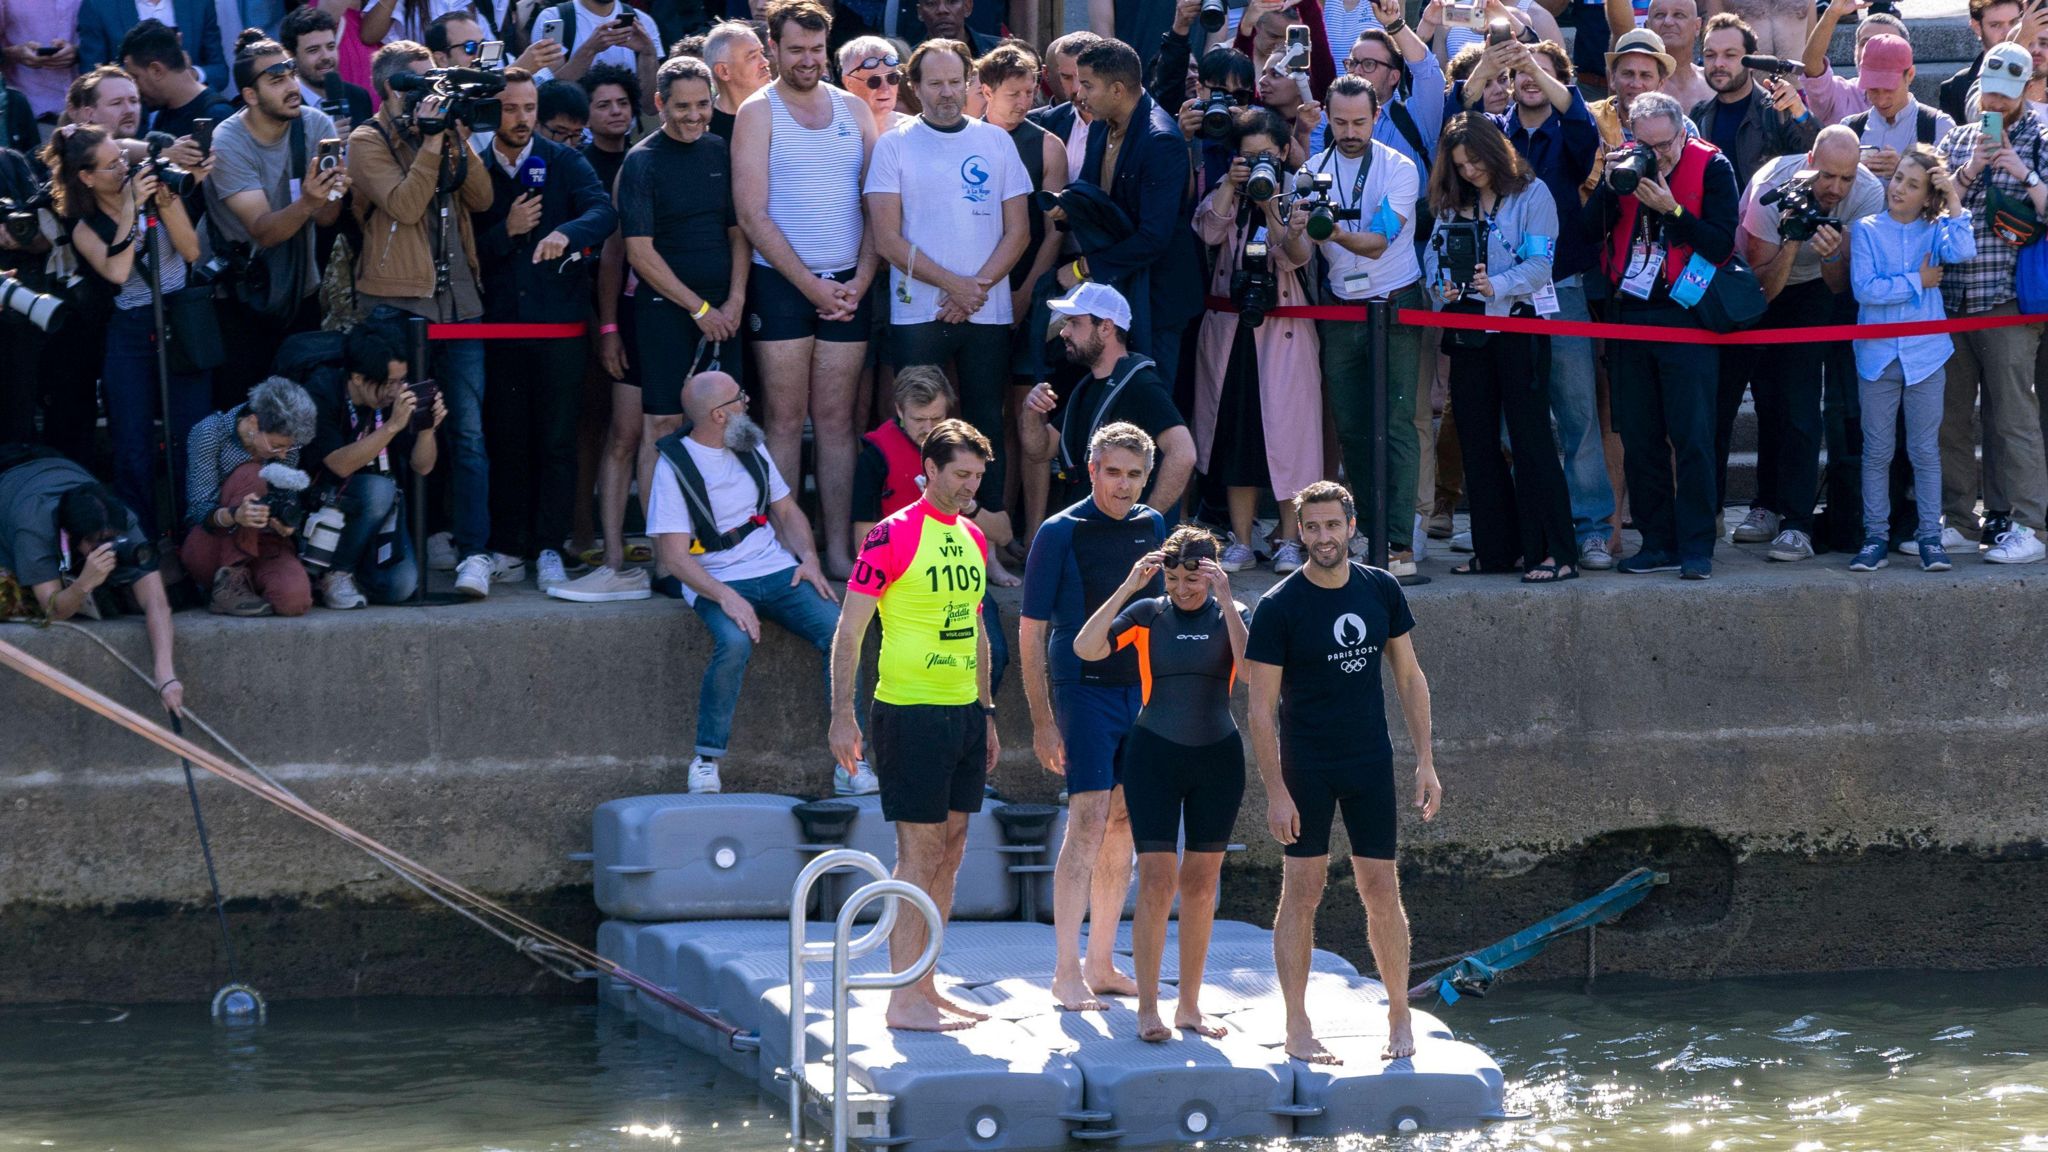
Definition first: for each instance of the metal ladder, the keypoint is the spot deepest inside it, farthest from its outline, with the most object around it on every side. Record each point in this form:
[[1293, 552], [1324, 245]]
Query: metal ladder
[[871, 1125]]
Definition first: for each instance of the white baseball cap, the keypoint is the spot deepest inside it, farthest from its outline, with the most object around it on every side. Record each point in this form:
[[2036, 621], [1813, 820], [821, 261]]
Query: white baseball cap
[[1098, 300]]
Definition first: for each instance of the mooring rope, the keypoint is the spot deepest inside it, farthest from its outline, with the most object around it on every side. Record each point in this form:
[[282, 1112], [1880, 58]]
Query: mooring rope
[[557, 954]]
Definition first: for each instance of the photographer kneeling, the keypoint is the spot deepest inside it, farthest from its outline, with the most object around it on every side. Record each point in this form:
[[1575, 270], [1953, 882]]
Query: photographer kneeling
[[1665, 203], [1258, 380], [1795, 233], [239, 539], [56, 521], [1496, 233], [370, 426]]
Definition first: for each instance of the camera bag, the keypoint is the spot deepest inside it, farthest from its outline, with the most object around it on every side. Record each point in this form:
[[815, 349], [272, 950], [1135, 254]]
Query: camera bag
[[266, 280], [1733, 299]]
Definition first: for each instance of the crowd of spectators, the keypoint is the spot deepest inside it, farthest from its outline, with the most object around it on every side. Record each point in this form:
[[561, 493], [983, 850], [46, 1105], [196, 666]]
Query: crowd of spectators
[[768, 248]]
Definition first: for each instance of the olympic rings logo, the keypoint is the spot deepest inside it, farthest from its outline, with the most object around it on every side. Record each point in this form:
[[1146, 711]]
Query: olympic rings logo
[[1355, 665]]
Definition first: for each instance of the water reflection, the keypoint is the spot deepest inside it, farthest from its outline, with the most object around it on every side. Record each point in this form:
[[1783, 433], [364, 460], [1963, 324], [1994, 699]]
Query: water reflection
[[1867, 1062]]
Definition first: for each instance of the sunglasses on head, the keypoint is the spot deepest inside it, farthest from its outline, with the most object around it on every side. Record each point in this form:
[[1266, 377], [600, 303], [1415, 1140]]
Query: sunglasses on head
[[2009, 67], [281, 68], [892, 79]]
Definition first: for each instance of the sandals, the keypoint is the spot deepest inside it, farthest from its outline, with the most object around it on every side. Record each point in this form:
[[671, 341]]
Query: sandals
[[1551, 573]]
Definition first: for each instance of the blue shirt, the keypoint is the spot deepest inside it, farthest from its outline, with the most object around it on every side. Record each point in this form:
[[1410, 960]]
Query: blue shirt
[[1885, 258], [1561, 151], [1425, 104], [1078, 560]]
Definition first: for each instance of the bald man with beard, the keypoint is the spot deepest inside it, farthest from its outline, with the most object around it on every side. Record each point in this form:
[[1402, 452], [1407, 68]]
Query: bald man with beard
[[725, 524]]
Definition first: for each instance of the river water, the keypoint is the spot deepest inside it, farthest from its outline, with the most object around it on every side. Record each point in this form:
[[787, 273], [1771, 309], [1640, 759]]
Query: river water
[[1887, 1062]]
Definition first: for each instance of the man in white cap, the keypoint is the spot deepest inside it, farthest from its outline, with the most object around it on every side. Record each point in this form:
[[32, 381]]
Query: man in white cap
[[1999, 174], [1093, 322]]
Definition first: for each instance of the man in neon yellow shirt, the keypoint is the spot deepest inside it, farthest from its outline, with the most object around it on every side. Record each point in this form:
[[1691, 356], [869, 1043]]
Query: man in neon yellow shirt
[[932, 725]]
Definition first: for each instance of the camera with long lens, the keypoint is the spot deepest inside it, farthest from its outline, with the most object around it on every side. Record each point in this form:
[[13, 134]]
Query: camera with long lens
[[1631, 170], [1312, 191], [1264, 179], [1215, 13], [1459, 245], [168, 175], [22, 219], [41, 309], [1252, 287], [1216, 112], [468, 96], [1799, 213]]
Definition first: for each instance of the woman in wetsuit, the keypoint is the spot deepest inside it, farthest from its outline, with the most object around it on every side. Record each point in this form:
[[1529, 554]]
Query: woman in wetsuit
[[1184, 762]]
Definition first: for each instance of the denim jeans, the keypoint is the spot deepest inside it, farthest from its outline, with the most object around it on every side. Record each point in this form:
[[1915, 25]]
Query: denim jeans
[[459, 368], [798, 608], [1922, 400], [1577, 412], [130, 381], [365, 499]]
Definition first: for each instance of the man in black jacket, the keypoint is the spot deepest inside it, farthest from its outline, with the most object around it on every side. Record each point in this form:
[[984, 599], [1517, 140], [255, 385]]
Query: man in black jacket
[[311, 36], [1136, 153], [537, 245], [1751, 118], [1992, 21]]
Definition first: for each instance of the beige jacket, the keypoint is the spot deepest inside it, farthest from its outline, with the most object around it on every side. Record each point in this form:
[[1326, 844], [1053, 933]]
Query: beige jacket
[[394, 203]]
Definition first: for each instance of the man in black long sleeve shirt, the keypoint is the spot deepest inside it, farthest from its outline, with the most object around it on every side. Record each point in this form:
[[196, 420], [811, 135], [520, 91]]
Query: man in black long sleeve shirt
[[1661, 241], [1137, 154]]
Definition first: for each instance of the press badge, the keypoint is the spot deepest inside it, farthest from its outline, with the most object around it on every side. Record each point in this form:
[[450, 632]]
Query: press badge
[[1545, 299], [1357, 285], [1644, 264], [1693, 281], [389, 531]]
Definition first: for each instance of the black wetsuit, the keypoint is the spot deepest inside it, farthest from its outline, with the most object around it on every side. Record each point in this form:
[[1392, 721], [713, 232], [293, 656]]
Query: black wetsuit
[[1185, 760]]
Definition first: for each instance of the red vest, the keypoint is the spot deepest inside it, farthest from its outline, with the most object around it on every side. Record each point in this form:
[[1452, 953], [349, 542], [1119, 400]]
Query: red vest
[[1688, 182], [903, 466]]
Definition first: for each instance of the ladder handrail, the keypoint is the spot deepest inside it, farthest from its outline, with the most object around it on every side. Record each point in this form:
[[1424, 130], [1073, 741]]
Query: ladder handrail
[[801, 952], [843, 980]]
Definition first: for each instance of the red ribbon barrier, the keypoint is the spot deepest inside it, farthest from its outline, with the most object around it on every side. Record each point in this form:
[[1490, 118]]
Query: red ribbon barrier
[[505, 331], [1658, 333]]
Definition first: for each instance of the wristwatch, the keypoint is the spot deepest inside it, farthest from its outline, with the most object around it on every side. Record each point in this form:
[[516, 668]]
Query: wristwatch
[[988, 710], [2033, 178]]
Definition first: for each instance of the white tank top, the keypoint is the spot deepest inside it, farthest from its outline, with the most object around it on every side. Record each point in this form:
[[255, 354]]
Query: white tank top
[[814, 186]]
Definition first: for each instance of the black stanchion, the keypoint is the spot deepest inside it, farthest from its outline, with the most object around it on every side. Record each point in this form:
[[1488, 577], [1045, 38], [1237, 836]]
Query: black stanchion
[[419, 361], [152, 271]]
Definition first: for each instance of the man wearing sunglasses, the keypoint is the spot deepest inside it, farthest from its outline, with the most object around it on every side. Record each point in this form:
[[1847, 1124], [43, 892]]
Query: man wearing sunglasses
[[455, 38], [269, 192]]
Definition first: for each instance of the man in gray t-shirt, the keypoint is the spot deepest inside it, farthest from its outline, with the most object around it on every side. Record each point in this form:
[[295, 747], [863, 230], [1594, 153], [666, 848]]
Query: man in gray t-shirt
[[257, 196]]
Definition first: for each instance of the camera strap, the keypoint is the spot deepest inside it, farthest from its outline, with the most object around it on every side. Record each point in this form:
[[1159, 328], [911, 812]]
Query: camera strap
[[355, 428], [1067, 462], [1357, 184]]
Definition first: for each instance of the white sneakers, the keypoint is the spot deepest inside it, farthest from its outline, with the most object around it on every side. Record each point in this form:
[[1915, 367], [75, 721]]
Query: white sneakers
[[860, 782], [703, 776], [1236, 557], [441, 555], [547, 571], [2017, 545], [338, 590], [1760, 525], [1790, 545], [1951, 539], [602, 585], [1288, 556], [473, 576]]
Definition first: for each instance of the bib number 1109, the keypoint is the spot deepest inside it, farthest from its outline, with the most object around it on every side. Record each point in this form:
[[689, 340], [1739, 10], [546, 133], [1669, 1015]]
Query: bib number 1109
[[956, 577]]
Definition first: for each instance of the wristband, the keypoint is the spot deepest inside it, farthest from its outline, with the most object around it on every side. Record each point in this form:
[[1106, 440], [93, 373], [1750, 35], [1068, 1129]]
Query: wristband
[[703, 310], [607, 329], [1803, 117], [1397, 27], [1078, 274]]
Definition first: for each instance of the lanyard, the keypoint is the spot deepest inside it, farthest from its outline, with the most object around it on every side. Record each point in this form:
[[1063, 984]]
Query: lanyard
[[1357, 182], [377, 424]]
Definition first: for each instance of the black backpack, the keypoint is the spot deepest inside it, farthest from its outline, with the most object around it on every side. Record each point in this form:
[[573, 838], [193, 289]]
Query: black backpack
[[1923, 124]]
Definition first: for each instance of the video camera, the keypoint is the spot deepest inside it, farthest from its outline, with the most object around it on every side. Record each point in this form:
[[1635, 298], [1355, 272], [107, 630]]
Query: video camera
[[468, 95], [1460, 245], [169, 175], [1799, 214], [1312, 190], [1632, 169], [1252, 287]]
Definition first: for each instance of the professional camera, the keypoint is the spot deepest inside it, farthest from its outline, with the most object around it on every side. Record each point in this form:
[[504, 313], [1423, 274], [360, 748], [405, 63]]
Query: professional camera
[[469, 95], [286, 486], [169, 175], [1264, 179], [1460, 245], [45, 311], [23, 218], [1214, 14], [1216, 113], [133, 552], [1253, 288], [1773, 65], [1632, 169], [1799, 214], [1312, 190]]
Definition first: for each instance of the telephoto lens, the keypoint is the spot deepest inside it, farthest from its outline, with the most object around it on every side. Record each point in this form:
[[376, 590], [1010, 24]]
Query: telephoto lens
[[1216, 114], [1265, 178], [1214, 13]]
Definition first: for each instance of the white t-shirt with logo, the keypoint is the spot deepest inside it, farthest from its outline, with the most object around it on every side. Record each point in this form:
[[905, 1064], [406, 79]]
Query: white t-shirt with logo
[[953, 186], [733, 500], [1392, 185]]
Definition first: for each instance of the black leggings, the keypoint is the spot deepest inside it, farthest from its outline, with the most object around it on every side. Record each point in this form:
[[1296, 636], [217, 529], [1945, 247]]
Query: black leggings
[[1167, 783]]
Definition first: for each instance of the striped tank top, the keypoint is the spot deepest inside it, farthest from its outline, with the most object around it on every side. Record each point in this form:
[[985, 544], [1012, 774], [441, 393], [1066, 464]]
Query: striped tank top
[[814, 186]]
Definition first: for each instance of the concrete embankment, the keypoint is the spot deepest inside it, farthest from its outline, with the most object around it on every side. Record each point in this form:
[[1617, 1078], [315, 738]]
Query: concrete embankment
[[1837, 772]]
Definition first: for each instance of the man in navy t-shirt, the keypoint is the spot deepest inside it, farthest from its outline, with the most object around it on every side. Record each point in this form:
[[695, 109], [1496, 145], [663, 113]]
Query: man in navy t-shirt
[[1319, 732], [1082, 711]]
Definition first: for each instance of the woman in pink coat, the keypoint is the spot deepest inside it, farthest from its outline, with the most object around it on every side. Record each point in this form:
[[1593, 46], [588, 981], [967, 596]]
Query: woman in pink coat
[[1258, 390]]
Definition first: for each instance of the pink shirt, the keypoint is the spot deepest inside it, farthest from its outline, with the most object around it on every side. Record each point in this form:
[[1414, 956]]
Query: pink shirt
[[1832, 97], [40, 22]]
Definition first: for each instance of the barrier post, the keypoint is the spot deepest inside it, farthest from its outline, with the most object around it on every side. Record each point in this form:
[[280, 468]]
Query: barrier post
[[420, 365], [1376, 336]]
